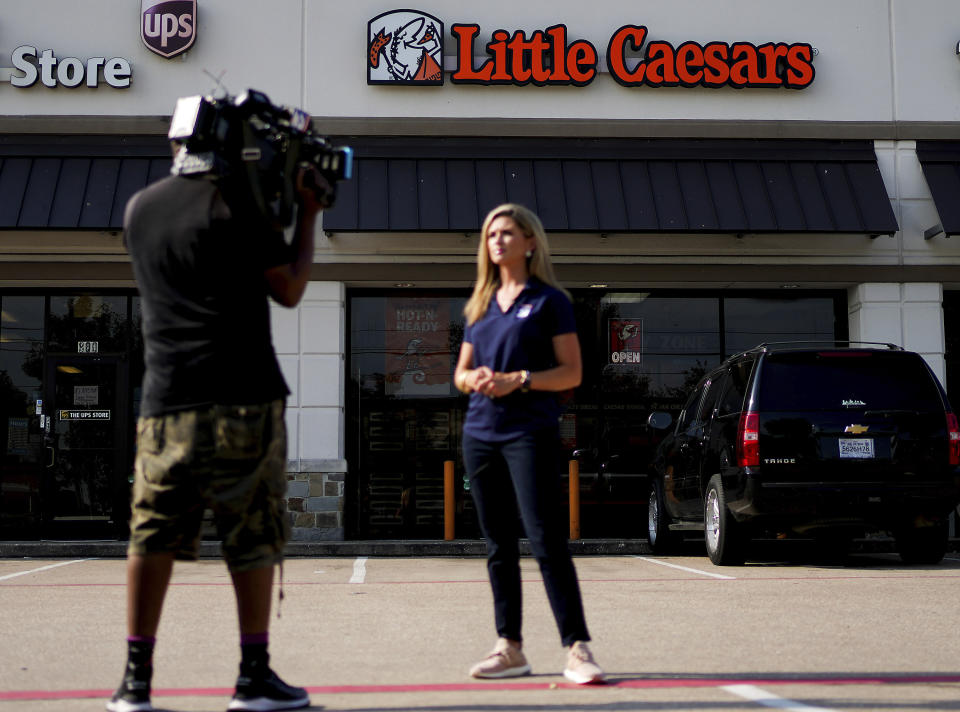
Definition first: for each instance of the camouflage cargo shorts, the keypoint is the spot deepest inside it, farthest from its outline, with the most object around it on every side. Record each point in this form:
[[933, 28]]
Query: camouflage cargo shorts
[[230, 459]]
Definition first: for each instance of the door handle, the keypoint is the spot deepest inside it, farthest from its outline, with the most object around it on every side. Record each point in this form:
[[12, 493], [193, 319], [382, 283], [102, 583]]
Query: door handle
[[53, 456]]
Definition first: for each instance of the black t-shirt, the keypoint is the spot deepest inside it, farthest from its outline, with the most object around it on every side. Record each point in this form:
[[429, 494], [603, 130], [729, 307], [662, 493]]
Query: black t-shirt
[[206, 319]]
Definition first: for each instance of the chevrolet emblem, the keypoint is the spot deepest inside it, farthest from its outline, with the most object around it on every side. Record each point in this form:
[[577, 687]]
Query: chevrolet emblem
[[856, 429]]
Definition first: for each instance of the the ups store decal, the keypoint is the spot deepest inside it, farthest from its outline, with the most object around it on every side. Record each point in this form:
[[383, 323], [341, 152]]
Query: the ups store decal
[[405, 47]]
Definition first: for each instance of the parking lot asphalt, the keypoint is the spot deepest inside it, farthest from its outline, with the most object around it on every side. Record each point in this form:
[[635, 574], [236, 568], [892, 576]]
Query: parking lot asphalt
[[379, 633]]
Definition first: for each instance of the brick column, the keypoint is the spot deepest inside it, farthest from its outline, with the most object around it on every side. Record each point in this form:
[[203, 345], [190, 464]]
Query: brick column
[[315, 503]]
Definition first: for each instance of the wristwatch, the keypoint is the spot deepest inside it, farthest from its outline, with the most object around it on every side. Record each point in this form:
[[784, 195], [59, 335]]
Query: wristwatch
[[524, 381]]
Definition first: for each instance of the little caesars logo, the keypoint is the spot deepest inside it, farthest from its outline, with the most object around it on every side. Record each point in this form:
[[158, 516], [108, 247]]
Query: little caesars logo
[[168, 28], [405, 47]]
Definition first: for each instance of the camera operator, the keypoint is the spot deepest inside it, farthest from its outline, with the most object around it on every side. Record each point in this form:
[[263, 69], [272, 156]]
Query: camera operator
[[211, 432]]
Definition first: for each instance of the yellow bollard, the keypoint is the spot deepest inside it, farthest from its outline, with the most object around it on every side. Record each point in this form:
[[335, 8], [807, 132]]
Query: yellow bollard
[[574, 481], [448, 500]]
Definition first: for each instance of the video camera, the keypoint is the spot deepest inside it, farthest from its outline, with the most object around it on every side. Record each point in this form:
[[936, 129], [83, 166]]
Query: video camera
[[250, 140]]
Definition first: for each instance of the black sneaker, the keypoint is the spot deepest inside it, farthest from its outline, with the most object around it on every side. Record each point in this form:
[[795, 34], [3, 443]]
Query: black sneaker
[[133, 695], [265, 692]]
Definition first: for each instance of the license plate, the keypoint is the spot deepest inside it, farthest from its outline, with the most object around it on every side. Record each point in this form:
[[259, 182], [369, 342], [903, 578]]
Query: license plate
[[859, 448]]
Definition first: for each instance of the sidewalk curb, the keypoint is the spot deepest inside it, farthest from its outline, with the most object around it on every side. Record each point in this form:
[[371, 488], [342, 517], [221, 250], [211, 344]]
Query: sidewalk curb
[[107, 549], [113, 549]]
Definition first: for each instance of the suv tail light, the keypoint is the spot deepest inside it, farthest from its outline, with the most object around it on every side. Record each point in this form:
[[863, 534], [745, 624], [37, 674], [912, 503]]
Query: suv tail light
[[953, 433], [748, 440]]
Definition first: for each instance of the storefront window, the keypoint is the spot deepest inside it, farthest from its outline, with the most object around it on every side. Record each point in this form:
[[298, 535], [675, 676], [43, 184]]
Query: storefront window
[[642, 351], [656, 345], [752, 320], [21, 367], [408, 414], [88, 324], [136, 357], [65, 406]]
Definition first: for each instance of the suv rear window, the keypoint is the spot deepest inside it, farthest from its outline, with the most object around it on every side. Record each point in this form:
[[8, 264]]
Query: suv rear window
[[732, 401], [837, 380]]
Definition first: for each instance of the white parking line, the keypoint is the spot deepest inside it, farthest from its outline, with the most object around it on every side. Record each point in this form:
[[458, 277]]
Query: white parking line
[[762, 697], [359, 570], [686, 568], [44, 568]]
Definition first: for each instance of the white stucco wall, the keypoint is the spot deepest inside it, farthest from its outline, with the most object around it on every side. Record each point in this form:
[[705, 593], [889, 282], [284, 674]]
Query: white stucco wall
[[879, 60], [925, 35], [907, 315], [309, 340]]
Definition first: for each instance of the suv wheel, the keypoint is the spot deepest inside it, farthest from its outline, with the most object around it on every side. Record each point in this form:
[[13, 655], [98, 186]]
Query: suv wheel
[[724, 540], [922, 545], [658, 530]]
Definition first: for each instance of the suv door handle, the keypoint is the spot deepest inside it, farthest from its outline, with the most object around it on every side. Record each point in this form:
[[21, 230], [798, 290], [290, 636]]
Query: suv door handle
[[53, 456]]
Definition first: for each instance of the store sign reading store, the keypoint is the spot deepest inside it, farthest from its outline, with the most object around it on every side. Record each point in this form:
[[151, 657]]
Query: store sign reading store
[[31, 65], [406, 47]]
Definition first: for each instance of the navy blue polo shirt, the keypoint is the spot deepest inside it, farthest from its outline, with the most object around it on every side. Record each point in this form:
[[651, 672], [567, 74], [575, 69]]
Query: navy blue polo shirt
[[520, 338]]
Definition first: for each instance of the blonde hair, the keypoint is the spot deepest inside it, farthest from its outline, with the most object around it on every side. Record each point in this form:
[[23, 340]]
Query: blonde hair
[[488, 276]]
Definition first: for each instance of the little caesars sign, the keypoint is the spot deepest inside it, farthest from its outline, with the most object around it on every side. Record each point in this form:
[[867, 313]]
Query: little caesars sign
[[406, 47]]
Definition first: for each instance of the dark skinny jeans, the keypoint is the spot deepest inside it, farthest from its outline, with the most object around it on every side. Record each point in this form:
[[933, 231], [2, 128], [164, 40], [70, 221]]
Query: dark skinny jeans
[[523, 474]]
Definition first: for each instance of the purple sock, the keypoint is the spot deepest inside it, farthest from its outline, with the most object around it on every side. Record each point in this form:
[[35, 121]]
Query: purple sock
[[254, 638], [151, 639]]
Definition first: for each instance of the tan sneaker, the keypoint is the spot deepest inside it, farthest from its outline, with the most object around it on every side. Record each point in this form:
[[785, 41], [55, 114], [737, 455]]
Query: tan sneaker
[[581, 667], [506, 660]]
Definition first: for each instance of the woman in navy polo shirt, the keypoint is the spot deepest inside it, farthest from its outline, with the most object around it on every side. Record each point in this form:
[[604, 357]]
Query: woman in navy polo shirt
[[520, 349]]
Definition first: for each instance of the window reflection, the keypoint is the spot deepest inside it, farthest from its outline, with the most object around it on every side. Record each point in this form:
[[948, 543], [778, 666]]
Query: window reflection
[[88, 324], [751, 321], [21, 366], [136, 355], [657, 345], [408, 415], [642, 351]]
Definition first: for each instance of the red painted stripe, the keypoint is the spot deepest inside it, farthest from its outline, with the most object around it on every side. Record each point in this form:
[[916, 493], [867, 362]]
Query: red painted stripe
[[660, 579], [494, 685]]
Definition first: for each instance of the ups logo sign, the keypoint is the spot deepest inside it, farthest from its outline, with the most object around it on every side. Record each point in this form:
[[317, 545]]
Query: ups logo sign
[[169, 27]]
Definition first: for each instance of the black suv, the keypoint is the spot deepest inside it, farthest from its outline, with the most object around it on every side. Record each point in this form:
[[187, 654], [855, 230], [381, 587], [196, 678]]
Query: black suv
[[823, 440]]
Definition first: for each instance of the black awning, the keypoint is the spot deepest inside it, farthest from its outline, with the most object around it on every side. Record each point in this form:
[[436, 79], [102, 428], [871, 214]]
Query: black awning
[[75, 182], [405, 184], [607, 186], [941, 168]]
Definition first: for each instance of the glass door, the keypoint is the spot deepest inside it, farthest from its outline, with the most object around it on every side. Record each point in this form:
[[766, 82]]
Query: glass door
[[21, 440], [405, 415], [84, 421]]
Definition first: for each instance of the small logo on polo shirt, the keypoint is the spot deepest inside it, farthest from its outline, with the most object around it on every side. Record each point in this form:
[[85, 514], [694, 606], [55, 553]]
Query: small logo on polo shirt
[[524, 311]]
